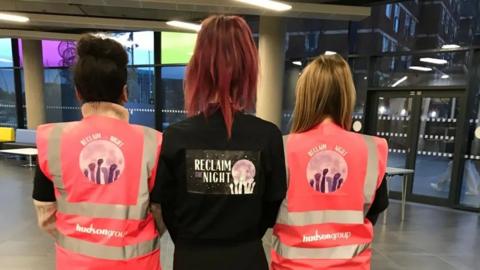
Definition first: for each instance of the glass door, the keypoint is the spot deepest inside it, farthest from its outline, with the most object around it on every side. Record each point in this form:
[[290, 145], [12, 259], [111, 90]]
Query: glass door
[[394, 123], [422, 129], [436, 144]]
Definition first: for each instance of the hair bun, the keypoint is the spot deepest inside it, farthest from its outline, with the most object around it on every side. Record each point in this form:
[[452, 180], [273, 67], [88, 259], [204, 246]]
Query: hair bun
[[102, 48]]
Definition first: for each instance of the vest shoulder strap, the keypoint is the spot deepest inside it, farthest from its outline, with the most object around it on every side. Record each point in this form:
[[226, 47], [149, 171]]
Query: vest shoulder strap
[[285, 140], [372, 172]]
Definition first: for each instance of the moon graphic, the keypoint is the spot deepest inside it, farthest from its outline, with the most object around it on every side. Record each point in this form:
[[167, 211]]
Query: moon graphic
[[328, 165], [243, 170], [102, 162]]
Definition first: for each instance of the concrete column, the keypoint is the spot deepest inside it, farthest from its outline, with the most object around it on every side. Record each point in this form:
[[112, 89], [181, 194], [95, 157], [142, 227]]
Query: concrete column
[[272, 66], [33, 79]]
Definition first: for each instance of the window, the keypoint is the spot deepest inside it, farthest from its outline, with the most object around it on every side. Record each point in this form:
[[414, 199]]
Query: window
[[388, 11], [55, 53], [177, 48], [385, 44], [396, 20], [8, 113], [413, 25], [172, 87], [6, 59], [408, 21], [141, 95], [139, 46], [61, 104]]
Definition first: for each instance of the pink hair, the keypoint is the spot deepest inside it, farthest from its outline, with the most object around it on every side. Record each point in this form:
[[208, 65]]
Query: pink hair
[[223, 71]]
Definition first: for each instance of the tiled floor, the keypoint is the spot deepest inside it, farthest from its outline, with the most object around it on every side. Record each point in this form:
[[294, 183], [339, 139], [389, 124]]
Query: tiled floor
[[430, 238]]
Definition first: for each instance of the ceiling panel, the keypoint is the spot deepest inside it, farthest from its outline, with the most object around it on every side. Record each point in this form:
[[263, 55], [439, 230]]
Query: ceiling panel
[[164, 10]]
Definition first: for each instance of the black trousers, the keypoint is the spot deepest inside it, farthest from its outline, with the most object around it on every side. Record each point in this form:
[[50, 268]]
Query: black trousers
[[235, 256]]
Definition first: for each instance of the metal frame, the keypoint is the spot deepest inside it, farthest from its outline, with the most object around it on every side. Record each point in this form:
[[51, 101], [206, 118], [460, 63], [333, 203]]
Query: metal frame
[[159, 93], [18, 84]]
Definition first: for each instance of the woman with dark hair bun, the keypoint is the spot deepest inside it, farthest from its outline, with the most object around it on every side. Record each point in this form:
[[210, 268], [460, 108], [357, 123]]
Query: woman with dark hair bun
[[221, 175], [94, 176]]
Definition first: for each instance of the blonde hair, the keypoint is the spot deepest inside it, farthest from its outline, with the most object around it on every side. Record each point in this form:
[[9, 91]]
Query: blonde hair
[[325, 89]]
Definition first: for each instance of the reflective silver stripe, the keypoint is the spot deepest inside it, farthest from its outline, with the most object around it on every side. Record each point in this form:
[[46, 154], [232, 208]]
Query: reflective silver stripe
[[107, 252], [371, 176], [318, 217], [340, 252], [95, 210], [53, 157]]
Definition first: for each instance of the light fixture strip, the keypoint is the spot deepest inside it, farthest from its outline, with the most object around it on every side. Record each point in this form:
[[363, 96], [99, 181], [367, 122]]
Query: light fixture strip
[[404, 78], [13, 18], [435, 61], [185, 25], [420, 68], [268, 4], [450, 46]]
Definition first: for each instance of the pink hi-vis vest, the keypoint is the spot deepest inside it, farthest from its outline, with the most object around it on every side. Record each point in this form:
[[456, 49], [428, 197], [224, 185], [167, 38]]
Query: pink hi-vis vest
[[333, 178], [103, 170]]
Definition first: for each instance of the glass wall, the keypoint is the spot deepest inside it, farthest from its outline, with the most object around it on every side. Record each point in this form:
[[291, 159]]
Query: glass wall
[[8, 114], [414, 47], [60, 99], [429, 69]]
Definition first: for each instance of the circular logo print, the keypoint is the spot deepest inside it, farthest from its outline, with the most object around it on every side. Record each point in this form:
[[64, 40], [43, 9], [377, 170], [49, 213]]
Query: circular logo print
[[243, 170], [327, 171], [243, 173], [102, 162]]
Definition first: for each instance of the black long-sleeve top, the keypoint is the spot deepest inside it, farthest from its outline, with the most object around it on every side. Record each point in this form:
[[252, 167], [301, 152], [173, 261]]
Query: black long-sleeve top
[[215, 189]]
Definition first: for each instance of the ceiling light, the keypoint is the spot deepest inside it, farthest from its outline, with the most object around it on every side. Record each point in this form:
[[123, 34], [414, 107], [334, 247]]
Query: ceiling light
[[404, 78], [382, 109], [435, 61], [403, 112], [330, 53], [450, 46], [419, 68], [185, 25], [445, 76], [13, 18], [268, 4], [297, 63]]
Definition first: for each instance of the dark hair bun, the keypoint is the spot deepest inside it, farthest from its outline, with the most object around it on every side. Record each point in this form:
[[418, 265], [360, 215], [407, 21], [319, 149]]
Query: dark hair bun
[[102, 48], [100, 72]]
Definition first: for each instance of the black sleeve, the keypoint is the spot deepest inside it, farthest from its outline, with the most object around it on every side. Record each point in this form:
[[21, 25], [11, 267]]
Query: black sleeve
[[276, 180], [164, 190], [380, 202], [43, 189], [269, 215]]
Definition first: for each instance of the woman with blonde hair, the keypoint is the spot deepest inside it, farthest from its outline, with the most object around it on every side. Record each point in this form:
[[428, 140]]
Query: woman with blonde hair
[[326, 220]]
